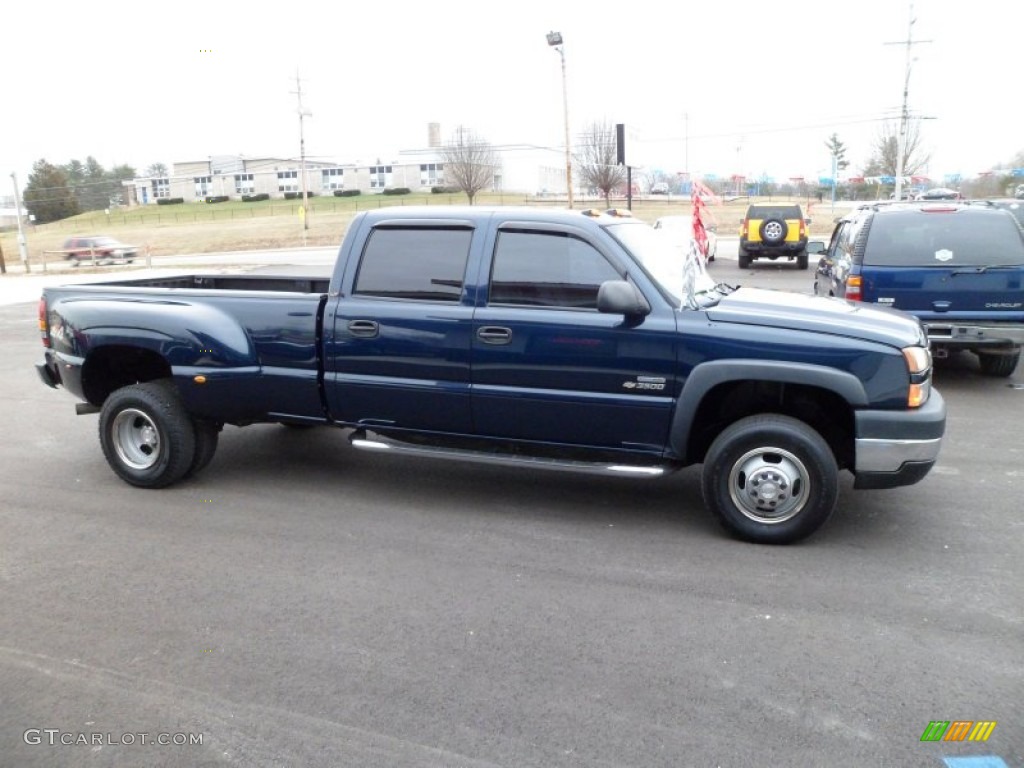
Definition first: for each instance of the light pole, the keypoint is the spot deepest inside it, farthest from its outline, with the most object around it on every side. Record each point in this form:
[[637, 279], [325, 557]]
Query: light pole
[[555, 41]]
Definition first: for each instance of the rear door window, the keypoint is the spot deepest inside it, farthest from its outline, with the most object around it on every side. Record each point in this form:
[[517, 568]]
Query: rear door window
[[418, 263], [933, 239]]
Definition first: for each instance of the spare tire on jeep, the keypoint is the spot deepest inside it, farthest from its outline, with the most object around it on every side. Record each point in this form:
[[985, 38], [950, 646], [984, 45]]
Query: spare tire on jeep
[[774, 230]]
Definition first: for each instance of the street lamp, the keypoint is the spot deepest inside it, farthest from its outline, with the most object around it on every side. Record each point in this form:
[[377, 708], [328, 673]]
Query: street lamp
[[555, 41]]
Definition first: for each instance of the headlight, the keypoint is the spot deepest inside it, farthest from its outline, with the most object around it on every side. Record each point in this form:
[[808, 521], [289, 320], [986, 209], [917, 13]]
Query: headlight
[[919, 367]]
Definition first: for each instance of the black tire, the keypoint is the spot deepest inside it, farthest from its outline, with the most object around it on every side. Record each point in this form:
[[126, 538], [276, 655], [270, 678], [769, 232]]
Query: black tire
[[147, 437], [996, 365], [801, 260], [773, 231], [770, 479], [744, 258], [207, 436]]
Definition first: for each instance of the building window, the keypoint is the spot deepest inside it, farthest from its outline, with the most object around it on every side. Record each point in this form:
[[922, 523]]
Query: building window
[[287, 181], [161, 187], [332, 178], [431, 174], [203, 184], [380, 176], [244, 184]]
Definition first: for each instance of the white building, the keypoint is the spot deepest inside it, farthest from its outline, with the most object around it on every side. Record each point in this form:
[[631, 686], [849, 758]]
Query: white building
[[521, 168]]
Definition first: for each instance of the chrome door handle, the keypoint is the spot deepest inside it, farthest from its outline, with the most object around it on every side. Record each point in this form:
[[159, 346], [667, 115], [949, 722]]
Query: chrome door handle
[[366, 329], [493, 334]]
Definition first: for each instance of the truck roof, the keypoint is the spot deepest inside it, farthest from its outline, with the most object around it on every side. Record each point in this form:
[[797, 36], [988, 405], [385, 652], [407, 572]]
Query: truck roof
[[473, 213]]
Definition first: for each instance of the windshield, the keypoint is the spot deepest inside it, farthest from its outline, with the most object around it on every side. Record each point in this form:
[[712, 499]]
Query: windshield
[[663, 257]]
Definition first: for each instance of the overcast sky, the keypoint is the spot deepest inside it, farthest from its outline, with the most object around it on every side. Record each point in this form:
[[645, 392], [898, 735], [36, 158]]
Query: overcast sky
[[716, 87]]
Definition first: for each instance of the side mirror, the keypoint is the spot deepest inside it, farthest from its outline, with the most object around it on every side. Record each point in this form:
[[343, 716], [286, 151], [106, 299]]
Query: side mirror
[[814, 247], [619, 297]]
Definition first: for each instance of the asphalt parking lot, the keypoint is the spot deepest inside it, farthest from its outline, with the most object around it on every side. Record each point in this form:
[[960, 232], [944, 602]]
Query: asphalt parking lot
[[301, 603]]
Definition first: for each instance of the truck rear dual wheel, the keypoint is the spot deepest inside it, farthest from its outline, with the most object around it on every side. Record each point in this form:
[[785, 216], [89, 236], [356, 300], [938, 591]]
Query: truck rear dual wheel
[[148, 438], [770, 479]]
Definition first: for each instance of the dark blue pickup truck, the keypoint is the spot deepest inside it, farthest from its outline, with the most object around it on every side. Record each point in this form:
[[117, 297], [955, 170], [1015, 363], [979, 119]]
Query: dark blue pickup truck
[[556, 339]]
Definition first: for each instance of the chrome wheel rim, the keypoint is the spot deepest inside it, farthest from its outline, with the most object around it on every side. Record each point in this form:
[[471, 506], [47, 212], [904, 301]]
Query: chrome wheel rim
[[769, 485], [136, 439], [773, 230]]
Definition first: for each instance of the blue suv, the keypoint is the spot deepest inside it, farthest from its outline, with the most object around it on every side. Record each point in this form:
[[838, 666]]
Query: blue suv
[[957, 267]]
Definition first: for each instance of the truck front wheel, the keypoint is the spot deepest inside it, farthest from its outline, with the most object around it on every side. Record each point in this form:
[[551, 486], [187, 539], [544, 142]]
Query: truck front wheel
[[147, 437], [770, 479]]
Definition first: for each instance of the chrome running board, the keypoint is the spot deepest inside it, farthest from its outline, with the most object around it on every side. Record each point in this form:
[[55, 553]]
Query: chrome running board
[[378, 443]]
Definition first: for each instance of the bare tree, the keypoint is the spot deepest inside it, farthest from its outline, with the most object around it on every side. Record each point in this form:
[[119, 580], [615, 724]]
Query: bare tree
[[596, 159], [469, 162], [884, 160]]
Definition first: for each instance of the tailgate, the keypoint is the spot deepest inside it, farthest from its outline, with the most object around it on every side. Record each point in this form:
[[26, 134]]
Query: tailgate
[[997, 292]]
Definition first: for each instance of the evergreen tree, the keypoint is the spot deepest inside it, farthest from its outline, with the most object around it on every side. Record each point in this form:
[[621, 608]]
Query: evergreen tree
[[837, 149], [48, 195]]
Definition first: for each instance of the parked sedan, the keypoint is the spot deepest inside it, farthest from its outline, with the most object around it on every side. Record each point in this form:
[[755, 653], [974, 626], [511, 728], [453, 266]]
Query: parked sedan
[[100, 249], [680, 229]]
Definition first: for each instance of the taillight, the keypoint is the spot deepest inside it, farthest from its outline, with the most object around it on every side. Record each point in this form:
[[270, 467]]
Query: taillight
[[743, 227], [853, 288], [44, 328]]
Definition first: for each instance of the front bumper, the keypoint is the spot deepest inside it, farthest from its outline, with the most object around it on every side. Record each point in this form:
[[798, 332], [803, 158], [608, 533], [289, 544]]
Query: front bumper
[[894, 448]]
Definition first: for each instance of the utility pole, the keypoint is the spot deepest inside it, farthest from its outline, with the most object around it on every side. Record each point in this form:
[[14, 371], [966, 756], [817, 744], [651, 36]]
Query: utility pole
[[303, 113], [901, 143], [686, 145], [22, 249]]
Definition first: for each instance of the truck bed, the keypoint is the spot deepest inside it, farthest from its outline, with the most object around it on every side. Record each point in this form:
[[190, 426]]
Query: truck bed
[[277, 283]]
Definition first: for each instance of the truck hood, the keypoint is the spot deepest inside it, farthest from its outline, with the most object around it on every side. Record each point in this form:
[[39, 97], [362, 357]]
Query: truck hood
[[819, 314]]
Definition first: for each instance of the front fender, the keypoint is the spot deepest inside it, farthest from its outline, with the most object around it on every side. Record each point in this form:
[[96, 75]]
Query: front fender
[[707, 376]]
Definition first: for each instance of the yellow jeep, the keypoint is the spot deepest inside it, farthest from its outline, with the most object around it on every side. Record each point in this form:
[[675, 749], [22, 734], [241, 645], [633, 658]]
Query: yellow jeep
[[771, 230]]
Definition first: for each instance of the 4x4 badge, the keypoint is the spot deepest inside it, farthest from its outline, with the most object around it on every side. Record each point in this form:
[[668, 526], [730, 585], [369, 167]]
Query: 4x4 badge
[[944, 255]]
